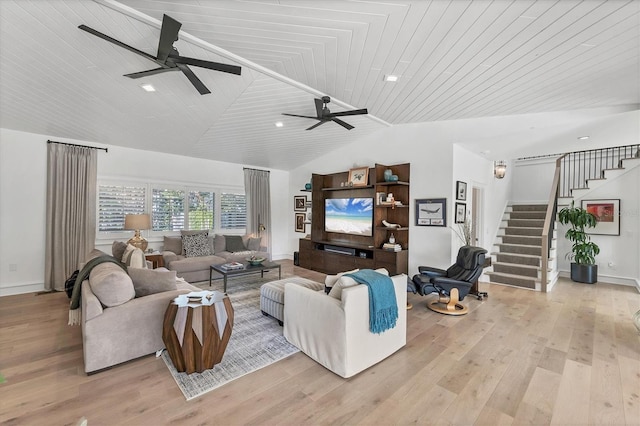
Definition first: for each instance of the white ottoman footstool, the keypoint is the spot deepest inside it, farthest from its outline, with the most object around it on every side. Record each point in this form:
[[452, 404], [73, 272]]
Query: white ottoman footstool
[[272, 295]]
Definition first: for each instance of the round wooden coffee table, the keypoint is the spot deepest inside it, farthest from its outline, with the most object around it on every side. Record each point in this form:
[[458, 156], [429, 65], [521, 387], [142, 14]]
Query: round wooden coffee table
[[196, 333]]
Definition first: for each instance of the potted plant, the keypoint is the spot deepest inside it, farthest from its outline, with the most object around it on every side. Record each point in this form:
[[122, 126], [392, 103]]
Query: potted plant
[[583, 251]]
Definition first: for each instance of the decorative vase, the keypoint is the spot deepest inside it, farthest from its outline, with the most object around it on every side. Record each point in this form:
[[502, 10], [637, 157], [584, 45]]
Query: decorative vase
[[307, 186], [387, 175], [393, 178], [392, 239]]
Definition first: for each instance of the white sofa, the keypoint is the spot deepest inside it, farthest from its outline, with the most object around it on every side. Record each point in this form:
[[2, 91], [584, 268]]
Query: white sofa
[[335, 332]]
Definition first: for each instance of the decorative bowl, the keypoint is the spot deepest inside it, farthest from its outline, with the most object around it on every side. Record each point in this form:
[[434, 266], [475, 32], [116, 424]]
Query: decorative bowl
[[255, 261]]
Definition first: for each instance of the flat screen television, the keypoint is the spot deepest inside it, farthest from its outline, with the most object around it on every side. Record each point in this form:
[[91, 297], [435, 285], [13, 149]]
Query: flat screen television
[[352, 216]]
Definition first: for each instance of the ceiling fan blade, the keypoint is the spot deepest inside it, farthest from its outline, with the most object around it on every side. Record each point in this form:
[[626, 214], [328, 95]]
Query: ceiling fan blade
[[216, 66], [303, 116], [319, 105], [150, 72], [193, 79], [317, 124], [116, 42], [352, 112], [343, 124], [168, 35]]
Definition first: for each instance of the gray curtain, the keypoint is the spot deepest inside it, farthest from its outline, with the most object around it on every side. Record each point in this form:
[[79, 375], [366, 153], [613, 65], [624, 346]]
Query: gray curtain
[[258, 196], [71, 210]]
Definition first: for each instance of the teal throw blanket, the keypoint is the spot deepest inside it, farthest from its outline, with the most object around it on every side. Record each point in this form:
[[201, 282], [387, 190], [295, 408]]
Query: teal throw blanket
[[74, 308], [383, 306]]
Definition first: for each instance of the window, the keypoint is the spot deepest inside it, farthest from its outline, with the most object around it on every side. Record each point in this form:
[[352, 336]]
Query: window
[[167, 210], [233, 211], [116, 201], [201, 210]]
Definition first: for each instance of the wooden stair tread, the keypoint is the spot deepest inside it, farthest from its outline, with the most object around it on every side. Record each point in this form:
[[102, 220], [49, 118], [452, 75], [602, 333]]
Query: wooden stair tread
[[520, 277], [517, 254], [519, 245]]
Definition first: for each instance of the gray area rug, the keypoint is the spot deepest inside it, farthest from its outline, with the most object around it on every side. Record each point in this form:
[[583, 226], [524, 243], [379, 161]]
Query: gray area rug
[[256, 340]]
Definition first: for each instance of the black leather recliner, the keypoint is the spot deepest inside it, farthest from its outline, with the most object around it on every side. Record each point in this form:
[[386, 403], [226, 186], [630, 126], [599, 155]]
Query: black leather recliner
[[453, 284]]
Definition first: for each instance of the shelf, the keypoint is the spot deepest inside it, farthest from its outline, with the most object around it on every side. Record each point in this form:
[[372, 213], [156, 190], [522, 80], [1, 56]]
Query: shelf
[[403, 228], [389, 206], [306, 190], [385, 183], [345, 188]]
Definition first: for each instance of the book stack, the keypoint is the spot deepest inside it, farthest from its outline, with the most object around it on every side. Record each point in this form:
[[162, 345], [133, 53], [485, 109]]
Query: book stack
[[232, 266], [392, 247]]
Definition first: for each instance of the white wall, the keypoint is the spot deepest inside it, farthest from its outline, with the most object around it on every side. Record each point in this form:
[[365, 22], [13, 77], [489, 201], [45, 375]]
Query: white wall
[[431, 154], [622, 251], [23, 190], [532, 180]]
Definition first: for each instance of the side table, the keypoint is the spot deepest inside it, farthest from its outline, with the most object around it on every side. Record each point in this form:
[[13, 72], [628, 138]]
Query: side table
[[196, 330], [156, 259]]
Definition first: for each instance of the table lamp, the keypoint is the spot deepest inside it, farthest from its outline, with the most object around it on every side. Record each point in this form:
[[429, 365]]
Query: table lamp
[[137, 222]]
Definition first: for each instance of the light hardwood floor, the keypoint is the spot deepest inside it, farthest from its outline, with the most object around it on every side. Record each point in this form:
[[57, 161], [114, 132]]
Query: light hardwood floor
[[571, 356]]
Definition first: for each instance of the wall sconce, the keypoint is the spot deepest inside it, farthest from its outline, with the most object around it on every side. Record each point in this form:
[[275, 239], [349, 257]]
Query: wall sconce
[[499, 169]]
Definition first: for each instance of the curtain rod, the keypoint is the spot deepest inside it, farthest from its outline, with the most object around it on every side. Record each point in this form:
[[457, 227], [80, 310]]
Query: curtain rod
[[258, 170], [81, 146]]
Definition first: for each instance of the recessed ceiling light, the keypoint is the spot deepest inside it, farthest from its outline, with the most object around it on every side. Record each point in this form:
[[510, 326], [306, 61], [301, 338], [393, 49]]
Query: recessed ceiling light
[[279, 124], [390, 77], [582, 138], [148, 87]]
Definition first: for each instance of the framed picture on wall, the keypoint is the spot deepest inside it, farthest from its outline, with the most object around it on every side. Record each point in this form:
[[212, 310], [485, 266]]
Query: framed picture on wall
[[608, 214], [300, 203], [461, 191], [461, 212], [300, 222], [431, 212]]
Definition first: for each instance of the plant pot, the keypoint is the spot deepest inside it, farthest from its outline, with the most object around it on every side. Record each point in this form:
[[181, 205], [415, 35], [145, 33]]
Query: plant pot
[[587, 274]]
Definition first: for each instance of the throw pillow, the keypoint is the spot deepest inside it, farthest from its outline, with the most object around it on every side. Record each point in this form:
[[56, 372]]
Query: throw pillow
[[173, 244], [111, 284], [151, 281], [133, 257], [118, 248], [253, 244], [188, 232], [234, 243], [331, 279], [219, 243], [195, 245], [345, 282]]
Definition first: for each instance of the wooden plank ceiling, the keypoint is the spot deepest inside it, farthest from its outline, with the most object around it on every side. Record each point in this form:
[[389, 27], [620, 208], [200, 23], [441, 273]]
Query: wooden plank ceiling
[[455, 59]]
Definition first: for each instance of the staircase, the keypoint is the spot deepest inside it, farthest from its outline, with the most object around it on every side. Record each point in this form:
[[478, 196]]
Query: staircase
[[517, 258]]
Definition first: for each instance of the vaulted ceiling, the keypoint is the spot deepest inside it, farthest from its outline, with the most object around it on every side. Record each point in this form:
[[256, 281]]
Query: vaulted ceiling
[[454, 59]]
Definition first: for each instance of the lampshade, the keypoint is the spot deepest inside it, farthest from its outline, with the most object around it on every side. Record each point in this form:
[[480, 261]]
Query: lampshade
[[137, 221], [499, 169]]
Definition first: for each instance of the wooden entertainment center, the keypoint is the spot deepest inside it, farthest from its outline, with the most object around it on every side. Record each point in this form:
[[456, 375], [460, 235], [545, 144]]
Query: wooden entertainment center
[[331, 252]]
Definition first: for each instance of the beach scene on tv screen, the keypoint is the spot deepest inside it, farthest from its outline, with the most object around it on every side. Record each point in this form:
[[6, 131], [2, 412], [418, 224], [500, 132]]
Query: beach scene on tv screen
[[349, 216]]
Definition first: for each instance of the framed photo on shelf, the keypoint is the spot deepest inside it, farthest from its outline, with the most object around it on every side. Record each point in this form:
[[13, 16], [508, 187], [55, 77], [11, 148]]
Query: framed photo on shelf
[[300, 203], [359, 176], [461, 212], [300, 222], [608, 214], [461, 191], [431, 212]]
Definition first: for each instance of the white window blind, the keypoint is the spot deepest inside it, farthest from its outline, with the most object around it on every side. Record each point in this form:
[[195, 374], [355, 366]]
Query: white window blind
[[116, 201], [167, 210], [233, 211], [201, 209]]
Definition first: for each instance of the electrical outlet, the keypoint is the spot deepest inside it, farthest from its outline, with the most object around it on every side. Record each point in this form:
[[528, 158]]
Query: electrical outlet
[[13, 267], [611, 264]]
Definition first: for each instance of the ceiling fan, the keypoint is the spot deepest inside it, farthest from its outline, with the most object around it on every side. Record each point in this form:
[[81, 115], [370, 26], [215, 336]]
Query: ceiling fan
[[324, 114], [168, 57]]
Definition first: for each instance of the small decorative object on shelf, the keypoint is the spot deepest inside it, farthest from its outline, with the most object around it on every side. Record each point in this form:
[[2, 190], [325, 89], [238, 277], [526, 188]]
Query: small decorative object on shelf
[[392, 239], [387, 175], [307, 186]]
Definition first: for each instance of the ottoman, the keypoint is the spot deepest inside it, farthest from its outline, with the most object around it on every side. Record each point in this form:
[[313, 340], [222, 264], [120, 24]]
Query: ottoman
[[272, 295]]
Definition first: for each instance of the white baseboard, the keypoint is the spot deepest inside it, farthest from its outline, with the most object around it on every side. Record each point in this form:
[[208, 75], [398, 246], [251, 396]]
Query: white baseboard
[[12, 289], [609, 279]]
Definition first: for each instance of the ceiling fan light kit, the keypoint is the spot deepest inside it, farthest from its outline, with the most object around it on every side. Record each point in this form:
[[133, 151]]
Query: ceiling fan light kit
[[168, 56], [323, 114]]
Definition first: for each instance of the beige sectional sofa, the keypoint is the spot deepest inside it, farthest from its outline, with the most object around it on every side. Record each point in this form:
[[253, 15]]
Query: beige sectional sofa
[[222, 249], [122, 313]]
